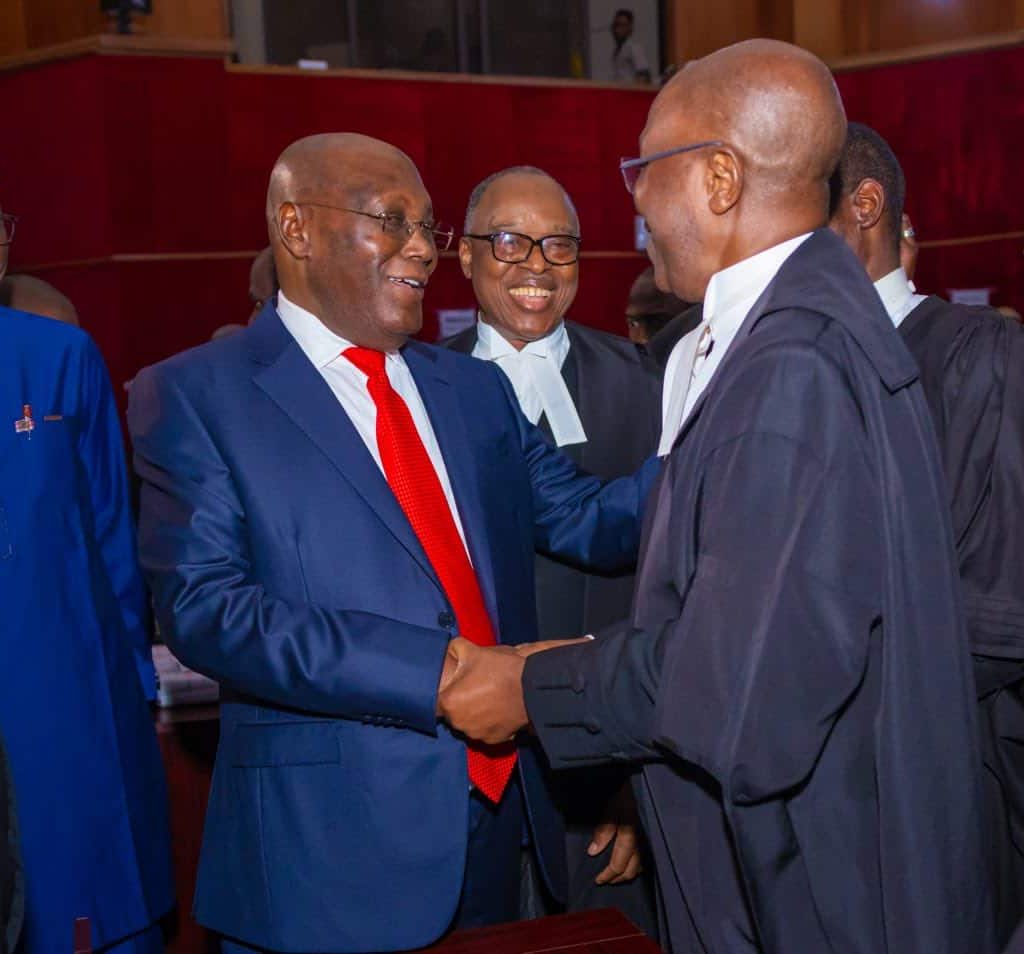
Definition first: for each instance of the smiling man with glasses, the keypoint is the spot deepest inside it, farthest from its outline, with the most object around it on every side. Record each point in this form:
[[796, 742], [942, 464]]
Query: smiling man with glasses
[[595, 398], [325, 505]]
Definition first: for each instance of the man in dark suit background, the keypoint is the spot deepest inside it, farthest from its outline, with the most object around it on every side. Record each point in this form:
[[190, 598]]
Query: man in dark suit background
[[598, 400], [794, 677], [325, 505], [972, 371]]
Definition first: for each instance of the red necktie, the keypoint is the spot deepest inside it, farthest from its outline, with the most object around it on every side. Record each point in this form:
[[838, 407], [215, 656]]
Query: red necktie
[[418, 490]]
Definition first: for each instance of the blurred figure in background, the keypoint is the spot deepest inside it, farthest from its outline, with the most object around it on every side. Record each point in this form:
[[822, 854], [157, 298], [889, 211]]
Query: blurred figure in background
[[31, 294], [262, 281], [649, 310], [629, 61]]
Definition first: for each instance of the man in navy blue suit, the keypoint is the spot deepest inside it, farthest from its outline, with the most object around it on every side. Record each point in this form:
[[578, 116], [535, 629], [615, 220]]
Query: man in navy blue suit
[[76, 667], [325, 505]]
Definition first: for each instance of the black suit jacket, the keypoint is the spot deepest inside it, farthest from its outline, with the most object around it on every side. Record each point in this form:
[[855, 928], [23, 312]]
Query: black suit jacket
[[618, 398], [795, 677]]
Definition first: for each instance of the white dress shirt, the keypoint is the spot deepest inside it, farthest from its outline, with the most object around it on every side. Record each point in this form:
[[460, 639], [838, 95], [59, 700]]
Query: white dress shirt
[[324, 349], [729, 297], [536, 375], [898, 294]]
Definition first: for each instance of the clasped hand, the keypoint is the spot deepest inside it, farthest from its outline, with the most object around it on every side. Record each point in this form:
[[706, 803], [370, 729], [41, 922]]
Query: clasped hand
[[481, 691]]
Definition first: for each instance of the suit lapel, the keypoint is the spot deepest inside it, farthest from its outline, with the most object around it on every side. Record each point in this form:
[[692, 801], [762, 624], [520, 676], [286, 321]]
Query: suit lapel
[[299, 390], [441, 399]]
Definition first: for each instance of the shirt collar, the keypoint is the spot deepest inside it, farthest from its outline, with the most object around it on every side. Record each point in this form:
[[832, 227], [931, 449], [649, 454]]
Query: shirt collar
[[491, 345], [896, 293], [744, 282], [321, 345]]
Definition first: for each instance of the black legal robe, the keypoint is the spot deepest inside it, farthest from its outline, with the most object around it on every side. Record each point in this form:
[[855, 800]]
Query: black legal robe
[[618, 398], [972, 371], [795, 676]]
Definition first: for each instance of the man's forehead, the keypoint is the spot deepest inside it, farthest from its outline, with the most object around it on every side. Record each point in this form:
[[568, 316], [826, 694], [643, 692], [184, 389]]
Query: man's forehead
[[518, 196]]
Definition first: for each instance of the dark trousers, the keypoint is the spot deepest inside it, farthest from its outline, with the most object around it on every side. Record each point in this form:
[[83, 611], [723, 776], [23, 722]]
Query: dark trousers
[[490, 886]]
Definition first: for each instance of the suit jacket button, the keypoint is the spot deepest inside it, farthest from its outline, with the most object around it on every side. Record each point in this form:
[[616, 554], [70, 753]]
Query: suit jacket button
[[591, 725], [445, 619], [579, 683]]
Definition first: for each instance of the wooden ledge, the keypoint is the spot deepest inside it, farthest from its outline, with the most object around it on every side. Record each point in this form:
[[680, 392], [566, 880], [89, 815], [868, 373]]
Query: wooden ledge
[[481, 79], [142, 258], [117, 45], [929, 51]]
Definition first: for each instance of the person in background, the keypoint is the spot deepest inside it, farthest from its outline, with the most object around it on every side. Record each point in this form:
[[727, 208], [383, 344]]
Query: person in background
[[75, 663], [262, 281], [30, 294], [597, 400], [325, 504], [972, 369], [649, 309], [629, 62], [794, 678]]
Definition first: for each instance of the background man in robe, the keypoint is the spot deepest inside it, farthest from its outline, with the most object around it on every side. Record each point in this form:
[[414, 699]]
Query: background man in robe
[[325, 505], [972, 370], [596, 399], [75, 663], [795, 673]]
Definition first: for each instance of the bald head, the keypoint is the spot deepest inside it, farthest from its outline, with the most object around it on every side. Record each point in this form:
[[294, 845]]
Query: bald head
[[776, 103], [351, 229], [770, 125], [31, 294], [333, 166]]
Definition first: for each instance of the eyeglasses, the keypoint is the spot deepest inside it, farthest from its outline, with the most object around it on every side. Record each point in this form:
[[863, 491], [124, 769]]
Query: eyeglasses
[[514, 247], [439, 234], [7, 223], [631, 168]]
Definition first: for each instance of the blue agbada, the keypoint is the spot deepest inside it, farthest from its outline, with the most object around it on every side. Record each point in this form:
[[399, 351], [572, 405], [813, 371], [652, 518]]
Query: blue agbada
[[75, 667], [795, 675]]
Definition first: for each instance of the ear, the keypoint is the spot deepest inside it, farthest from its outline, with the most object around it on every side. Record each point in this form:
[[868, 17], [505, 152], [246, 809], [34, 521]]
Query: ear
[[466, 256], [293, 227], [867, 203], [724, 180]]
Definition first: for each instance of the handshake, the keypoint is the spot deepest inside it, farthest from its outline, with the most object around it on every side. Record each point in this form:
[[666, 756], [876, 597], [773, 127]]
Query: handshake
[[481, 691]]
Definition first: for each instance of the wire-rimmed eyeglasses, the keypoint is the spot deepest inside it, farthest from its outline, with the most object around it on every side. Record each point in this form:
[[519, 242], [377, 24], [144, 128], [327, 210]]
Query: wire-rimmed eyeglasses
[[7, 224], [395, 225], [514, 247], [631, 168]]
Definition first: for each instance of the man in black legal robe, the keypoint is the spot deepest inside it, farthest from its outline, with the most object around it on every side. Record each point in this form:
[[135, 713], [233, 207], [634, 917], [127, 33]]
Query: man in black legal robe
[[972, 371], [599, 401], [794, 676]]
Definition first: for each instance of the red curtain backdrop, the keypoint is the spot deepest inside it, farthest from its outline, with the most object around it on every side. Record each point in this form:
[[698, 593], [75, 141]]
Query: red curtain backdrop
[[113, 162]]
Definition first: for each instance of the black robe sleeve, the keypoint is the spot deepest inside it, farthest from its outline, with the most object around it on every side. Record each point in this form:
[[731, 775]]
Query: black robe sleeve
[[775, 609]]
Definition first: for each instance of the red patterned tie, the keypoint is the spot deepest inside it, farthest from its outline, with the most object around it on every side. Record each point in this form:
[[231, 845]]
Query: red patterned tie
[[418, 490]]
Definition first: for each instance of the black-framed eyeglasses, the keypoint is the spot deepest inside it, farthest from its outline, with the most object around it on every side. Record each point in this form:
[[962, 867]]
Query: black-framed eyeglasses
[[395, 225], [7, 224], [514, 247], [631, 168]]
